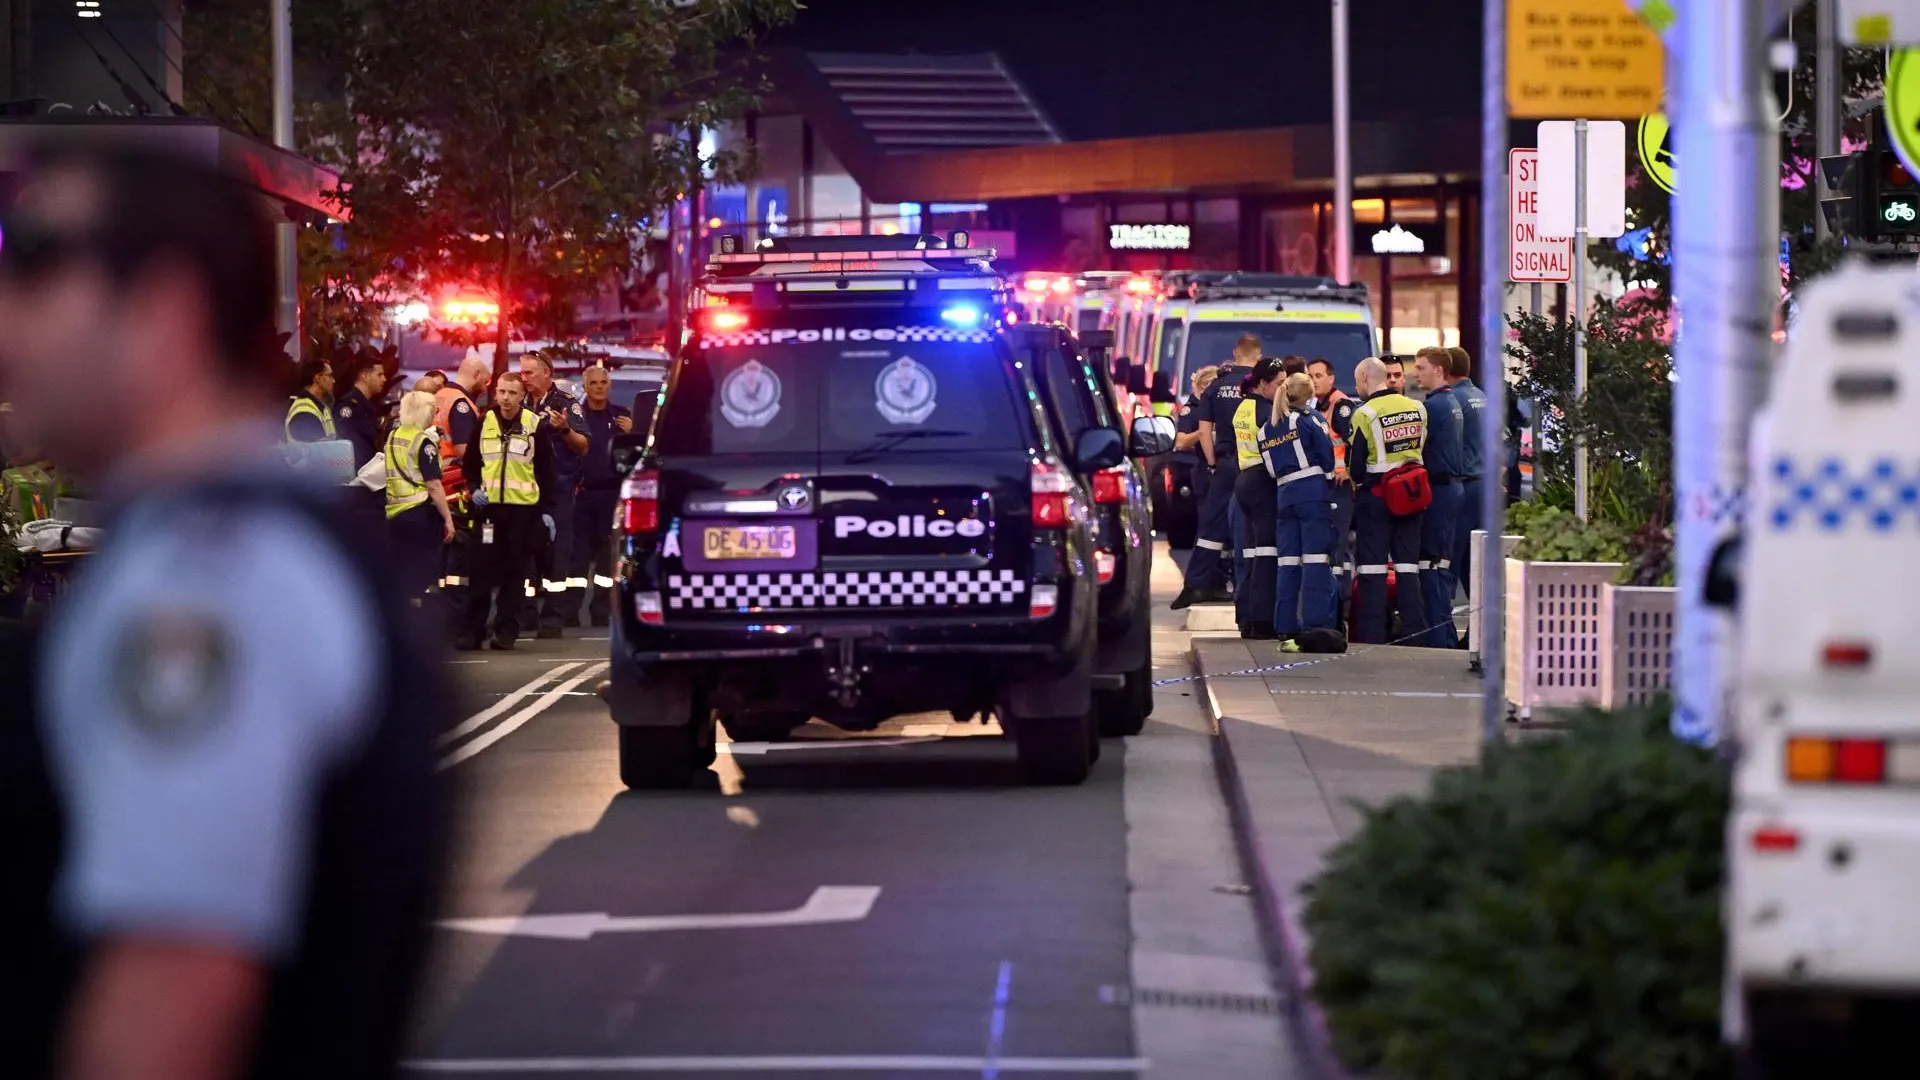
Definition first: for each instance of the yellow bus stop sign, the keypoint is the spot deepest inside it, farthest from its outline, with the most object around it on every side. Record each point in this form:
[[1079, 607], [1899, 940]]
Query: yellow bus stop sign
[[1902, 106], [1656, 150]]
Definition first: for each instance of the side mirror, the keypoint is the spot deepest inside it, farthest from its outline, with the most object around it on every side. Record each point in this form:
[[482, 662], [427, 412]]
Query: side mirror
[[627, 450], [1723, 575], [1162, 388], [1137, 382], [1152, 436], [1099, 448]]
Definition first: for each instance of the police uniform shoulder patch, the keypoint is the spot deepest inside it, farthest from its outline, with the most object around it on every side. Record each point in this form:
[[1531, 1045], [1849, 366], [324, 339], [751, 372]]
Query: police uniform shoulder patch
[[173, 673], [346, 412], [461, 406]]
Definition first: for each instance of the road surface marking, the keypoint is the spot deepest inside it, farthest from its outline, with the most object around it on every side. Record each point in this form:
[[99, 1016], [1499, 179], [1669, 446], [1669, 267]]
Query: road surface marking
[[518, 720], [829, 1064], [463, 661], [997, 1028], [828, 904], [479, 719], [749, 748]]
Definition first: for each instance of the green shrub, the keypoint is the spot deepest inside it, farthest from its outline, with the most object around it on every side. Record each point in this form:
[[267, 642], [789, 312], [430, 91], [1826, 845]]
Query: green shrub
[[1551, 912], [1556, 535]]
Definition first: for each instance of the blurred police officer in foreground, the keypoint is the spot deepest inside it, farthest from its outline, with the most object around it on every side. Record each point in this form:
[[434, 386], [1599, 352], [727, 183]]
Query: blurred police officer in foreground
[[592, 551], [310, 413], [226, 786]]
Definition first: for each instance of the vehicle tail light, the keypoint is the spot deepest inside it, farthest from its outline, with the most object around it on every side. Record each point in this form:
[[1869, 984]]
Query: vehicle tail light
[[1166, 477], [1775, 839], [640, 504], [1051, 487], [1836, 761], [1045, 601], [1847, 654], [646, 607], [725, 321], [1110, 485], [1104, 564]]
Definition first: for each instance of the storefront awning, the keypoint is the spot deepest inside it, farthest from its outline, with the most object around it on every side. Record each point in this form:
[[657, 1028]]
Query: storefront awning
[[279, 174]]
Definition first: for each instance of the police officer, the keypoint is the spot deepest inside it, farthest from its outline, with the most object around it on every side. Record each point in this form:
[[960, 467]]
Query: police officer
[[1186, 434], [419, 521], [1253, 492], [1389, 430], [456, 417], [1445, 460], [357, 421], [1298, 454], [227, 750], [511, 471], [599, 493], [1396, 374], [565, 446], [1206, 576], [1472, 458], [310, 413], [1336, 410]]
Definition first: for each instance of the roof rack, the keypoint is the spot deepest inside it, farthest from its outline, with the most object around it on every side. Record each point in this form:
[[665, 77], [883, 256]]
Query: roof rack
[[1241, 285]]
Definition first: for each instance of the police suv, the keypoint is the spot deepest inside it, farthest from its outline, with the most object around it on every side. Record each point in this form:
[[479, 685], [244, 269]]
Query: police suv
[[854, 504]]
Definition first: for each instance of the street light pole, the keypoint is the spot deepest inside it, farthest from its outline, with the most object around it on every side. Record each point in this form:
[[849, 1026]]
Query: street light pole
[[1490, 561], [1342, 152], [1826, 98], [286, 238]]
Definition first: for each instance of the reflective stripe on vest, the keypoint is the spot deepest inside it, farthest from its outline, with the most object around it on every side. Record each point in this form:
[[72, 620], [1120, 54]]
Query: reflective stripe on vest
[[406, 487], [506, 460], [1303, 467], [1246, 432], [1339, 442], [306, 406], [1396, 429]]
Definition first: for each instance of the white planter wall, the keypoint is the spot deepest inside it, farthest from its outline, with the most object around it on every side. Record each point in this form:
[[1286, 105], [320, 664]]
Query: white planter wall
[[1637, 623], [1554, 635], [1507, 544]]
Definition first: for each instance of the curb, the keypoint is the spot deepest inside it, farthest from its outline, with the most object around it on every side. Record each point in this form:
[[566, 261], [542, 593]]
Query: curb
[[1279, 921]]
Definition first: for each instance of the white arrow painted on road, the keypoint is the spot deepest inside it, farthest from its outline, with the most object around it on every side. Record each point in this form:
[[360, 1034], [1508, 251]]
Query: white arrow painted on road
[[828, 904], [739, 748]]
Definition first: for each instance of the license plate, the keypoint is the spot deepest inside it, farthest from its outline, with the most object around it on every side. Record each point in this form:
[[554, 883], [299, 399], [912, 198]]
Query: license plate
[[750, 542]]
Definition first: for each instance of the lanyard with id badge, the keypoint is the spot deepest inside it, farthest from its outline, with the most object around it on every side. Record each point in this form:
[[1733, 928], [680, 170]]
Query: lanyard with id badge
[[519, 447]]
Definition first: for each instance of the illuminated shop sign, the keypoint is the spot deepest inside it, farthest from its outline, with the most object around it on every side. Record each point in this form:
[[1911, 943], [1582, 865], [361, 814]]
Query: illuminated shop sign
[[1149, 237], [1399, 239]]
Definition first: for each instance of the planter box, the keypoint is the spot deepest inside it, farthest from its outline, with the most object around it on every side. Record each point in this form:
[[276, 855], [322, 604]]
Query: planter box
[[1637, 624], [1507, 544], [1554, 637]]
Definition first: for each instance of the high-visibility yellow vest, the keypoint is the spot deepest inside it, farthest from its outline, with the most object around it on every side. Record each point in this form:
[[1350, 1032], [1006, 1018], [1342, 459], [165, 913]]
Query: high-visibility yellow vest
[[1395, 428], [406, 487], [506, 460], [304, 405], [1163, 408], [1246, 431]]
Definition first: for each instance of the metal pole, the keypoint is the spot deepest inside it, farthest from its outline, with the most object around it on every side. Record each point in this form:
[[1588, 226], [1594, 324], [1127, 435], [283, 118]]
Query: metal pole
[[1491, 559], [1726, 244], [1826, 97], [1536, 299], [286, 236], [1579, 310], [1342, 152]]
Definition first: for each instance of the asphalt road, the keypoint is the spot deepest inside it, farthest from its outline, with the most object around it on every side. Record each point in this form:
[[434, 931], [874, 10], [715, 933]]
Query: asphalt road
[[887, 905]]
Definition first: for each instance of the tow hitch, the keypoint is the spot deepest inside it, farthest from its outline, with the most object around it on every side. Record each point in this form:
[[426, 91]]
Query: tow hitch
[[845, 671]]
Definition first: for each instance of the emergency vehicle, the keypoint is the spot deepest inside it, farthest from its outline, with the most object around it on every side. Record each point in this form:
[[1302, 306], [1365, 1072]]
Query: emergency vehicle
[[1823, 838]]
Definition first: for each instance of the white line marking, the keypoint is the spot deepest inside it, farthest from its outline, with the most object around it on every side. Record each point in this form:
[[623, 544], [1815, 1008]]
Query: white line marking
[[518, 720], [479, 719], [463, 661], [843, 1063], [828, 904], [750, 748]]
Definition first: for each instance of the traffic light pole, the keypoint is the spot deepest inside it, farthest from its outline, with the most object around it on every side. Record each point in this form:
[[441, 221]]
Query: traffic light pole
[[1490, 561], [1726, 281], [1826, 98]]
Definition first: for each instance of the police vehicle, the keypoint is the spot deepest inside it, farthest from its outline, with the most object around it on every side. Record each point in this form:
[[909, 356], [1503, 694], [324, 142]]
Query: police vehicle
[[859, 500], [1823, 854]]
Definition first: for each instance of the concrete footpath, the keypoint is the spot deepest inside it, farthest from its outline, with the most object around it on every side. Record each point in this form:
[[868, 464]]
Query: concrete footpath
[[1299, 747]]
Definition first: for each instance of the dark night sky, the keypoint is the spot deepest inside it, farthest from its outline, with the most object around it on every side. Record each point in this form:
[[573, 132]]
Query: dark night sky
[[1124, 68]]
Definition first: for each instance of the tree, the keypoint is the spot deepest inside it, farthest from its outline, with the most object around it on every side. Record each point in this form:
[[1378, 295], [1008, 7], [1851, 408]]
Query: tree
[[520, 145]]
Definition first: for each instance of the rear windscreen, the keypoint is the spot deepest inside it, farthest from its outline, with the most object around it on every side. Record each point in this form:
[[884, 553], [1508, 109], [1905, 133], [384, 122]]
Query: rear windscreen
[[843, 396], [1343, 344]]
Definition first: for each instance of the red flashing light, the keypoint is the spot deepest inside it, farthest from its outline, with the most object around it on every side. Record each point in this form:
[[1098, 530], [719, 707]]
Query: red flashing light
[[726, 320], [470, 310], [1035, 284], [1051, 486], [1139, 285], [1062, 285], [640, 504], [1110, 485]]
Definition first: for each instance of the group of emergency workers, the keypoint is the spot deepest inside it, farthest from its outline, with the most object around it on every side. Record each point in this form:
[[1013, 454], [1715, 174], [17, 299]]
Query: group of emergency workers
[[491, 484], [1311, 485]]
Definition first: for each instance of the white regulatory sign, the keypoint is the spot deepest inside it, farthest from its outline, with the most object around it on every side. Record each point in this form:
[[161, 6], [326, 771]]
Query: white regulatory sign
[[1529, 257]]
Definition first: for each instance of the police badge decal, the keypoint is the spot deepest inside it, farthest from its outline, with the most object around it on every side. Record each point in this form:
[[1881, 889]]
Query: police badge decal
[[172, 674], [750, 395], [905, 391]]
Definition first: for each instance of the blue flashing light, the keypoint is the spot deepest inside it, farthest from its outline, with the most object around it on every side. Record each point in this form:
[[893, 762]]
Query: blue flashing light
[[962, 315]]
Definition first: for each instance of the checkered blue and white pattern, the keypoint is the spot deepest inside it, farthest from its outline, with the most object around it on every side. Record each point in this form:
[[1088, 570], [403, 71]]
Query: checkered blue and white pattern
[[1829, 495], [840, 334], [855, 589]]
